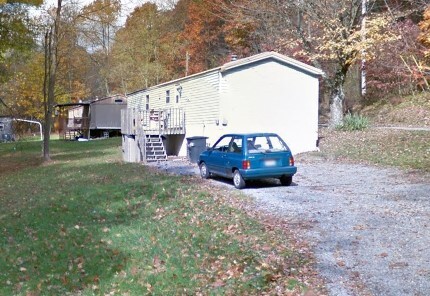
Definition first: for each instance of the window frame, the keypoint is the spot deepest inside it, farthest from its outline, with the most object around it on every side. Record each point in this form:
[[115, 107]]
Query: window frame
[[167, 96]]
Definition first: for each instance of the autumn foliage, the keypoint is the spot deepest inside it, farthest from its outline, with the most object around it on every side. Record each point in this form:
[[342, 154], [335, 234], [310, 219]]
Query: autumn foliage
[[424, 36], [100, 56]]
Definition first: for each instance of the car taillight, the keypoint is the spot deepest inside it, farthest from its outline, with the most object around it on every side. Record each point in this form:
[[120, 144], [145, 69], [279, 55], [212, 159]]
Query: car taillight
[[291, 161], [246, 164]]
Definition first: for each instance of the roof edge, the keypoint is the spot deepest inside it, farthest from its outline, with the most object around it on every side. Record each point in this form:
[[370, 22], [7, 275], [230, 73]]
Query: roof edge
[[240, 62], [274, 55]]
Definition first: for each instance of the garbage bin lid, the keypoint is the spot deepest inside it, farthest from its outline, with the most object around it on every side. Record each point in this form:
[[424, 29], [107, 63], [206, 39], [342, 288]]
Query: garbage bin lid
[[197, 138]]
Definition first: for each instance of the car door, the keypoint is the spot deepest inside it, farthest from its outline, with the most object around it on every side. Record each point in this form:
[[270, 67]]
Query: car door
[[234, 155], [217, 158]]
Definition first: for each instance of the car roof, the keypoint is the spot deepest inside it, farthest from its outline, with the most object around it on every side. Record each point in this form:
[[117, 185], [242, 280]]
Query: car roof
[[251, 134]]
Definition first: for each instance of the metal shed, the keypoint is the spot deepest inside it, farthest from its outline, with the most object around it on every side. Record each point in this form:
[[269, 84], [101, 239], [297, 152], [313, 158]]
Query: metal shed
[[92, 118]]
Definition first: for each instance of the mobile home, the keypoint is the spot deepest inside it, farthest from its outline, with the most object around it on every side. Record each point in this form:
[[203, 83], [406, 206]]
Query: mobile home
[[267, 92]]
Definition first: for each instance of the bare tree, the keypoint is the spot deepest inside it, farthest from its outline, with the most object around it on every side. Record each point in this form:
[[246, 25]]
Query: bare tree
[[51, 63]]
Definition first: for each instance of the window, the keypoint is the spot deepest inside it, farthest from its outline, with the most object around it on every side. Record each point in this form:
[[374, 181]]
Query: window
[[1, 127], [265, 144], [236, 145], [223, 144], [178, 92], [167, 96], [229, 144], [147, 103], [118, 100]]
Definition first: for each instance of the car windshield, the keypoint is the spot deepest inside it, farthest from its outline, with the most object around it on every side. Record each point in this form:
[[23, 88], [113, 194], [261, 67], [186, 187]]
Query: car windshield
[[264, 144]]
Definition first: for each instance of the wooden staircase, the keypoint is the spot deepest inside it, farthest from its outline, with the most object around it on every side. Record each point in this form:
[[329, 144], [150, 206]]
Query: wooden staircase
[[154, 150], [151, 147]]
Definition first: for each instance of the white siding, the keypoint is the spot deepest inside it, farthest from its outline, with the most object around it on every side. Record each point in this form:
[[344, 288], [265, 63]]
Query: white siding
[[136, 100], [273, 97], [199, 97]]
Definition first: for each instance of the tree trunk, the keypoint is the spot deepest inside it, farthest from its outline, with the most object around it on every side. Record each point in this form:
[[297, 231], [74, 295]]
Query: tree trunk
[[48, 95], [50, 76], [337, 97], [336, 107]]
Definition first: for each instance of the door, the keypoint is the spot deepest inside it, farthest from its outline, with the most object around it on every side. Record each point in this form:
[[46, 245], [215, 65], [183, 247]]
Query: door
[[217, 159], [234, 156]]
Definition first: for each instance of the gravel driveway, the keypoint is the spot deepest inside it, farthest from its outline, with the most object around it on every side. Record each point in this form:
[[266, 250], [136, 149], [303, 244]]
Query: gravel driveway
[[369, 226]]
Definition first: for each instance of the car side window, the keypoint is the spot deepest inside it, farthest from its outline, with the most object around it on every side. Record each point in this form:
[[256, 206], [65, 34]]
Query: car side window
[[223, 144], [235, 145]]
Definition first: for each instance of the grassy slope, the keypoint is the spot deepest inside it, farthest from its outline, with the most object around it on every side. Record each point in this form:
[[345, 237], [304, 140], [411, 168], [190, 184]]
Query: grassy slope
[[409, 150], [89, 224], [400, 148], [407, 111]]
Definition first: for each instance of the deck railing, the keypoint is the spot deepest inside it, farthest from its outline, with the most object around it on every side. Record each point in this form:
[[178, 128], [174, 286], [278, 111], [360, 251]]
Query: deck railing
[[155, 121]]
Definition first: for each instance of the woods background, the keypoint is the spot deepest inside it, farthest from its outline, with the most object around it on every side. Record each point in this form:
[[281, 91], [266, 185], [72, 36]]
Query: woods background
[[96, 52]]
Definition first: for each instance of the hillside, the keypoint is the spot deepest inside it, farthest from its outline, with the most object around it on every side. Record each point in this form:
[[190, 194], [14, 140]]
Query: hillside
[[413, 111], [408, 149]]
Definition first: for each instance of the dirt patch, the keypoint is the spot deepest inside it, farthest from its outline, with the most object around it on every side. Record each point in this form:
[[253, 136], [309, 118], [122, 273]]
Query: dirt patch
[[13, 163]]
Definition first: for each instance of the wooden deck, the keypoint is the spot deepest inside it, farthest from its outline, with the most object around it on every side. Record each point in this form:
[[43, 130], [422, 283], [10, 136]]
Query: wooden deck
[[153, 122]]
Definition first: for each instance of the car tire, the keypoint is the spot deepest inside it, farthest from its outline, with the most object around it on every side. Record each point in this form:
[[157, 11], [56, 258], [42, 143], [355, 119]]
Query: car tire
[[204, 171], [238, 181], [286, 180]]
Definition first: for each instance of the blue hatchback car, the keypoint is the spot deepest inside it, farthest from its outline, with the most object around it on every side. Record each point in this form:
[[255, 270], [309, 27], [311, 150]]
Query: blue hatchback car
[[243, 157]]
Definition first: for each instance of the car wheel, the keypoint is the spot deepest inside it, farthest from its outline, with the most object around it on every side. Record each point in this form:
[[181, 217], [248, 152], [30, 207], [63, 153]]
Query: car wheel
[[204, 171], [238, 181], [286, 180]]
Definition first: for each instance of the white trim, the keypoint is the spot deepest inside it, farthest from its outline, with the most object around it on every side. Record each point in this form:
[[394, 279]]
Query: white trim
[[273, 55]]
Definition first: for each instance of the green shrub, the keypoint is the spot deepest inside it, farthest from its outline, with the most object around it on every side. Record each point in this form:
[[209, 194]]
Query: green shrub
[[354, 122]]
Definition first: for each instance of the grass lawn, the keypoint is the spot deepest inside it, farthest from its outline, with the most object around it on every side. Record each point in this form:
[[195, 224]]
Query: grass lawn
[[88, 224]]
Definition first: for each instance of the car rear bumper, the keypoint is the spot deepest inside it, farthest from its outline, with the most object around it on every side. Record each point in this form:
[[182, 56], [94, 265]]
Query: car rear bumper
[[266, 173]]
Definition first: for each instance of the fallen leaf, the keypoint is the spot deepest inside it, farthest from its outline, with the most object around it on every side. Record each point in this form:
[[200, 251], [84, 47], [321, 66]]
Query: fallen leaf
[[218, 283], [340, 263]]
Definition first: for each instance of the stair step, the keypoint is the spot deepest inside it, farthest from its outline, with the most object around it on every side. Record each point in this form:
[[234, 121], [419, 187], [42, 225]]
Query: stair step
[[154, 147]]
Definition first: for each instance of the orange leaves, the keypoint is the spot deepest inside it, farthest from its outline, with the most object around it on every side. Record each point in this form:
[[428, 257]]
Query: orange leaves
[[424, 36], [203, 33]]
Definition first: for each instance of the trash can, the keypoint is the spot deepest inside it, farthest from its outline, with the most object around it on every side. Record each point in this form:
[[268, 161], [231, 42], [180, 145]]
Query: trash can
[[195, 146]]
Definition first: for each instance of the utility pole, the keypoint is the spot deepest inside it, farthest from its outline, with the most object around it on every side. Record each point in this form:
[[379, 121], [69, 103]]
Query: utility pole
[[187, 59], [363, 52]]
